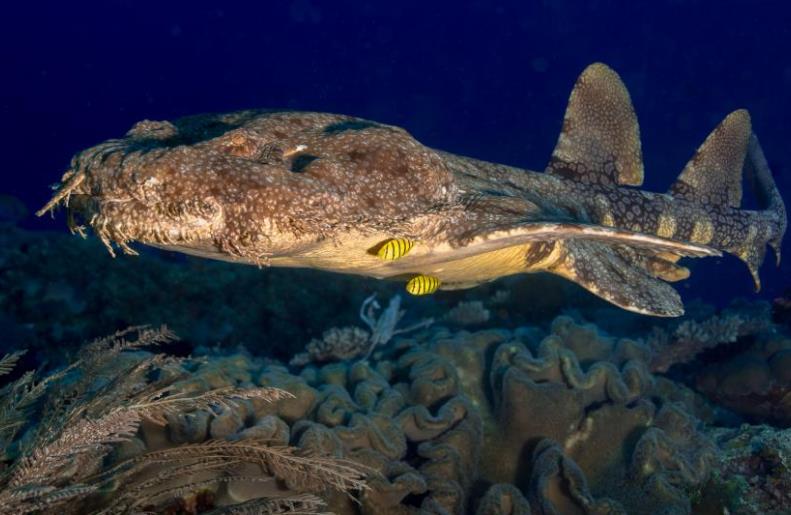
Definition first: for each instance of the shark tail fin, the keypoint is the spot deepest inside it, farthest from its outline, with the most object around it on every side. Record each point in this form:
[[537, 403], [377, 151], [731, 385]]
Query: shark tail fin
[[599, 144], [774, 211], [713, 177]]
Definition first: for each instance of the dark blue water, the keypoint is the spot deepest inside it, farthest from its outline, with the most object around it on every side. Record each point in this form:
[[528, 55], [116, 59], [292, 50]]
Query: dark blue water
[[486, 79]]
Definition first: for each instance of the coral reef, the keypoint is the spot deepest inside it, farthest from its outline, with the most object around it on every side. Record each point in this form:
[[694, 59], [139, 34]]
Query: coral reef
[[563, 420], [403, 416], [499, 410], [739, 359], [755, 383], [754, 470], [346, 343], [468, 314], [100, 445], [336, 344], [690, 338], [444, 415], [605, 424]]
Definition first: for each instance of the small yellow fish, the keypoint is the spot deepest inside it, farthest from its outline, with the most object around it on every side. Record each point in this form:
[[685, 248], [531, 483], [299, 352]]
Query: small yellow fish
[[395, 249], [422, 285]]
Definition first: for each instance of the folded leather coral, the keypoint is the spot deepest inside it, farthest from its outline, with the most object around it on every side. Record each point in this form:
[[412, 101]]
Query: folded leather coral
[[555, 421], [499, 421]]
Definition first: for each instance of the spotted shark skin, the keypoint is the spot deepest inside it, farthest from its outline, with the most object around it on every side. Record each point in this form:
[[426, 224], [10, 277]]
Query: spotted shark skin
[[324, 191]]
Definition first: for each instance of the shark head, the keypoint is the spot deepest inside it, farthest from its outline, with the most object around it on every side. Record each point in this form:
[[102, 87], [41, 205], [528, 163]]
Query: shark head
[[250, 185]]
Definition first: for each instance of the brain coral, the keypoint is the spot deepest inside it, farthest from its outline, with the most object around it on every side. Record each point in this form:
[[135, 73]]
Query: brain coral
[[488, 422], [493, 421], [404, 416], [599, 412]]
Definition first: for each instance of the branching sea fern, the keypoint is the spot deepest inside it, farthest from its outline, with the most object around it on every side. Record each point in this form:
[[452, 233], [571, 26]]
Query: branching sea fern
[[9, 361], [86, 410], [304, 504], [17, 400]]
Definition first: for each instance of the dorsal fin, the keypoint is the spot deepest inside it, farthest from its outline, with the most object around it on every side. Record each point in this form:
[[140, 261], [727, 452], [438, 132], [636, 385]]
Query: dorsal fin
[[714, 174], [600, 140]]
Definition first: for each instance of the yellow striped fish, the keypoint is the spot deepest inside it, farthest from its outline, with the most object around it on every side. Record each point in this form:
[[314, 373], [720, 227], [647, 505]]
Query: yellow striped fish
[[395, 249], [422, 285]]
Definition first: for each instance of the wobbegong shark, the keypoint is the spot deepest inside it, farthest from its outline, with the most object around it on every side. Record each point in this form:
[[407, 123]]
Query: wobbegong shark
[[344, 194]]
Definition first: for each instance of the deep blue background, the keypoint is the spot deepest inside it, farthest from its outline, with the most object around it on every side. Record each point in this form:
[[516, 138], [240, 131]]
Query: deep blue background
[[486, 79]]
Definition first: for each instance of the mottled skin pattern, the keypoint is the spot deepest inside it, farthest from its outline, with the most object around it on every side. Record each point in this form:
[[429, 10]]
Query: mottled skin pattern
[[326, 191]]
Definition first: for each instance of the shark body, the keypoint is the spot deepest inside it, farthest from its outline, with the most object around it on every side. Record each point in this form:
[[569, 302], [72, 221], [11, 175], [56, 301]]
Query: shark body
[[326, 191]]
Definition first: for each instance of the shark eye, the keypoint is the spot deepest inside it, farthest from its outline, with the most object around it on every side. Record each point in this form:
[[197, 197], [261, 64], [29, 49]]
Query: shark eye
[[301, 162]]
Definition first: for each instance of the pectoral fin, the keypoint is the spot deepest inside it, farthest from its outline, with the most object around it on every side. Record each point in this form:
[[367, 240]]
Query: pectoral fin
[[623, 267], [618, 275], [489, 240]]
